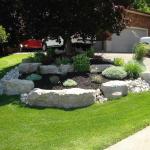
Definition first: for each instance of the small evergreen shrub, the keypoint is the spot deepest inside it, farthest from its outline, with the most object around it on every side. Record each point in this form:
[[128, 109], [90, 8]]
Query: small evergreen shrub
[[70, 83], [50, 52], [81, 63], [96, 79], [133, 69], [119, 62], [39, 57], [117, 73], [62, 60], [90, 52], [54, 80], [140, 51], [34, 77]]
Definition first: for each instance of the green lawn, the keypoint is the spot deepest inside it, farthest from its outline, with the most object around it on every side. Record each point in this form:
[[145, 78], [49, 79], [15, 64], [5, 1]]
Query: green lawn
[[91, 128]]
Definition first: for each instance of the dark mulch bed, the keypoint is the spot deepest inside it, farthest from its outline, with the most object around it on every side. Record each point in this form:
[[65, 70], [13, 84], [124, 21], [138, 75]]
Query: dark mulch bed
[[83, 80]]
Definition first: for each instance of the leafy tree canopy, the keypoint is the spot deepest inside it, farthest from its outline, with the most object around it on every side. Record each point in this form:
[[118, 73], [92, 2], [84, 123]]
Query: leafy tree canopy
[[142, 5], [26, 18]]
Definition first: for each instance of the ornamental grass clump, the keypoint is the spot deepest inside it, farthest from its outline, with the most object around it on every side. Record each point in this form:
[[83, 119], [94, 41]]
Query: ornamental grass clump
[[140, 51], [133, 69], [115, 73]]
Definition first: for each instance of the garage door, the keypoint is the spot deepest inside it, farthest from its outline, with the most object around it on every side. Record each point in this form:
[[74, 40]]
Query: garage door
[[126, 41]]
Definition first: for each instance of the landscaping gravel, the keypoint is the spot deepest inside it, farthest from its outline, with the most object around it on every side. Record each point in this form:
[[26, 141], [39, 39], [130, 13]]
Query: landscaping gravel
[[12, 74], [137, 86]]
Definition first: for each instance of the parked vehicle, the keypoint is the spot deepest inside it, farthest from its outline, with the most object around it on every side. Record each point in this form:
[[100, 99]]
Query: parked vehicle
[[76, 41], [54, 43], [145, 40], [31, 44]]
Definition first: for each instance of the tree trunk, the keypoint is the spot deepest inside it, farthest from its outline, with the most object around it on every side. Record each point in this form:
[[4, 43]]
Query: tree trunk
[[68, 47]]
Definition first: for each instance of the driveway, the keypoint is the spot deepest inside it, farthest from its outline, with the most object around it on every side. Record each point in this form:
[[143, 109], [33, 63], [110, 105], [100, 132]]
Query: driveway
[[126, 56], [138, 141]]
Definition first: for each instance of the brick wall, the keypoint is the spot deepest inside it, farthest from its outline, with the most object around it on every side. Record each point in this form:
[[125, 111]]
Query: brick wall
[[138, 19]]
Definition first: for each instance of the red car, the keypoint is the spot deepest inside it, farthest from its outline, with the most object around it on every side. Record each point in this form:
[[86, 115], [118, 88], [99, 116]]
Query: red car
[[31, 44]]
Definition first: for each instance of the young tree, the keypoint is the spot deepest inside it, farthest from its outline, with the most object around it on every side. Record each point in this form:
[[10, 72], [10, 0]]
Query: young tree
[[3, 38], [10, 18]]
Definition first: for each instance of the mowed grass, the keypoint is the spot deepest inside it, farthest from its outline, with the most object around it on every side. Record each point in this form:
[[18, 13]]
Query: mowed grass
[[92, 128]]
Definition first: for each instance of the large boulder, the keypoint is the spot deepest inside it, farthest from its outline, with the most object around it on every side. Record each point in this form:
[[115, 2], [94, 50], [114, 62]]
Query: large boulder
[[28, 67], [64, 69], [49, 69], [99, 68], [145, 76], [67, 98], [17, 87], [114, 89]]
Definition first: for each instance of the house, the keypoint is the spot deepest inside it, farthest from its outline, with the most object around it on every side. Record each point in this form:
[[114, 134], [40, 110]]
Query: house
[[138, 25]]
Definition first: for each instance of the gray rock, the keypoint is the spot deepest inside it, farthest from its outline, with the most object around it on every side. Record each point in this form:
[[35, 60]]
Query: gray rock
[[1, 88], [99, 68], [49, 69], [114, 89], [17, 87], [28, 67], [67, 98], [145, 76], [64, 69]]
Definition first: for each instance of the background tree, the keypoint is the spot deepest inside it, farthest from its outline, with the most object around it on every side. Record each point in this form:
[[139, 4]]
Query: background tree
[[142, 5], [38, 19], [68, 17]]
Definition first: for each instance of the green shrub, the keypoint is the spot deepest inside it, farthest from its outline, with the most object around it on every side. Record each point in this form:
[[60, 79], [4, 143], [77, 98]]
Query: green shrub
[[54, 80], [119, 61], [90, 52], [34, 77], [114, 72], [39, 57], [62, 60], [51, 52], [96, 79], [140, 51], [133, 69], [81, 63], [70, 83]]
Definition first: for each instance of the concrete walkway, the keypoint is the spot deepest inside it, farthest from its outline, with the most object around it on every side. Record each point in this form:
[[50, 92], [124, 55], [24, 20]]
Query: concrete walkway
[[126, 56], [138, 141]]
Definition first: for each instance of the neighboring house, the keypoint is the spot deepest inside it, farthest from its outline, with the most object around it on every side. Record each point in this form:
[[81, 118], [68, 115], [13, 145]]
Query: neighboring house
[[138, 25]]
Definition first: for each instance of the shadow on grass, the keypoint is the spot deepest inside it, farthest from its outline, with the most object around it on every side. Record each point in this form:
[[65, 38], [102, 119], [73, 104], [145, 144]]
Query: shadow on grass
[[5, 100], [15, 100]]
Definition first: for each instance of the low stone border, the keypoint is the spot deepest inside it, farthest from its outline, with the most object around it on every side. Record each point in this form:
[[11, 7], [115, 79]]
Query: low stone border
[[67, 98], [53, 69]]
